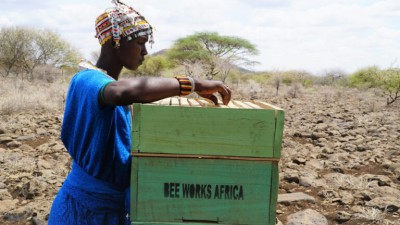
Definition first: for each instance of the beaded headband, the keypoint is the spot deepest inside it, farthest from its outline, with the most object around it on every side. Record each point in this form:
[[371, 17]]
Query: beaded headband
[[122, 21]]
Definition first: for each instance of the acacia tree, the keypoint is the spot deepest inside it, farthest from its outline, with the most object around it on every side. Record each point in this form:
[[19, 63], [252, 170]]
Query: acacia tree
[[152, 66], [388, 80], [218, 54], [22, 50], [390, 84], [48, 48], [14, 43]]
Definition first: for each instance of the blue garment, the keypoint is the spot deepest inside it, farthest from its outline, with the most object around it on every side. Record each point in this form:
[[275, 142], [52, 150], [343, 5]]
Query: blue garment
[[99, 141]]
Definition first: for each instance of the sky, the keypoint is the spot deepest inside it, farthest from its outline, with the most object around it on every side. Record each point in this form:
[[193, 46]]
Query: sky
[[312, 35]]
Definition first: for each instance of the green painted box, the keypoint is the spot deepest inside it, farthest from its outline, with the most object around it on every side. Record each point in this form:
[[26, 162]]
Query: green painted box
[[194, 163]]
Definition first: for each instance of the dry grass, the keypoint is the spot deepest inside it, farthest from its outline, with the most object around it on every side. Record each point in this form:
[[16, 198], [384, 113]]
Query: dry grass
[[342, 181], [372, 214], [15, 162], [18, 96]]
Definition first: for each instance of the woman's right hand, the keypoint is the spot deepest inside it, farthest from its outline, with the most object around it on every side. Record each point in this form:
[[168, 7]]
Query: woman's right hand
[[207, 88]]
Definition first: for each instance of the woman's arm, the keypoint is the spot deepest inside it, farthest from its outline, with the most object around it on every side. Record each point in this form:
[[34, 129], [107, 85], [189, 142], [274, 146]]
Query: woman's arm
[[150, 89]]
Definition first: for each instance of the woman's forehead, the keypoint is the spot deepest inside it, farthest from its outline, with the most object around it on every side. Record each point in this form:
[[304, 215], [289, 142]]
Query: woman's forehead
[[143, 38]]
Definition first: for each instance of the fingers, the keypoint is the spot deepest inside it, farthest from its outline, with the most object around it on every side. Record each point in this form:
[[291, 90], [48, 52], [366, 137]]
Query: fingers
[[214, 99], [206, 89], [226, 94], [211, 97]]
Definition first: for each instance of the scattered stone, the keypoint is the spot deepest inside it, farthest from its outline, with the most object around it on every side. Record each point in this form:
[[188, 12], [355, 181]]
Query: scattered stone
[[36, 221], [316, 164], [58, 147], [382, 179], [13, 144], [300, 161], [343, 216], [291, 176], [26, 137], [5, 139], [346, 198], [311, 182], [41, 131], [43, 164], [294, 197], [388, 203], [328, 194], [307, 217], [319, 135], [5, 195], [20, 214], [7, 205]]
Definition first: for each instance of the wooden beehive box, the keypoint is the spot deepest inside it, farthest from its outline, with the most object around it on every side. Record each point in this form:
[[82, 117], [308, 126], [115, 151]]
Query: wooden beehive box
[[196, 163]]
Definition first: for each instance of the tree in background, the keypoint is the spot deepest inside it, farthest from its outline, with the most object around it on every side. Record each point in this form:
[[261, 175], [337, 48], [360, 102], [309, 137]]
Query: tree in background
[[217, 54], [14, 44], [365, 78], [390, 84], [23, 50], [152, 66], [387, 80], [333, 77]]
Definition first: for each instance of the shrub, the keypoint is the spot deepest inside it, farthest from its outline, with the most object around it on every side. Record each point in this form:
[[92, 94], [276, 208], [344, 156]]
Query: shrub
[[389, 82], [365, 78]]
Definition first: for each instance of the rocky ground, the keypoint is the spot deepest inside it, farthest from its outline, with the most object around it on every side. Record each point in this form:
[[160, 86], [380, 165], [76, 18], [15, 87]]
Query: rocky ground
[[340, 161]]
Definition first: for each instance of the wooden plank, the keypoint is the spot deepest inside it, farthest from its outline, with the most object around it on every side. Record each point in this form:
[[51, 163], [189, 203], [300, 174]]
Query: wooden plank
[[232, 106], [184, 102], [136, 127], [205, 103], [221, 104], [241, 105], [165, 101], [134, 189], [280, 118], [166, 223], [266, 105], [204, 157], [206, 131], [175, 102], [156, 102], [252, 105], [231, 192], [193, 102], [274, 192]]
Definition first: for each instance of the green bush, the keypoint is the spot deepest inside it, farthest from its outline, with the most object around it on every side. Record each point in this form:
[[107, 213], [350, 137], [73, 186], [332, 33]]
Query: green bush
[[365, 78], [152, 66], [389, 82]]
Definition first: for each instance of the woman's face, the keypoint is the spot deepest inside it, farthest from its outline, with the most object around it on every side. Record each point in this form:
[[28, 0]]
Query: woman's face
[[131, 53]]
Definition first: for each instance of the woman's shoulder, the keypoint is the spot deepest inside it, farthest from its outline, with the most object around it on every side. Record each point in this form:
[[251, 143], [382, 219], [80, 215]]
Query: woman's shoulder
[[89, 75]]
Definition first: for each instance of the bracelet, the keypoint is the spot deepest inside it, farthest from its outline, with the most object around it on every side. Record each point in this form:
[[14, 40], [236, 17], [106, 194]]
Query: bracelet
[[193, 83], [186, 84]]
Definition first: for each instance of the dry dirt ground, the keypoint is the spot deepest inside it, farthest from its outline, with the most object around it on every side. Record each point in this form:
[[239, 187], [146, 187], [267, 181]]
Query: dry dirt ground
[[341, 147]]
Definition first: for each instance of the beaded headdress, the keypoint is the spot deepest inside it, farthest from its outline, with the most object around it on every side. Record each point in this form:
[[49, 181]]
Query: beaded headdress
[[122, 21]]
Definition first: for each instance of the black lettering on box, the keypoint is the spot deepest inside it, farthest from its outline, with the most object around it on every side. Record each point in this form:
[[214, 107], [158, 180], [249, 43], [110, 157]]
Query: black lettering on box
[[166, 190]]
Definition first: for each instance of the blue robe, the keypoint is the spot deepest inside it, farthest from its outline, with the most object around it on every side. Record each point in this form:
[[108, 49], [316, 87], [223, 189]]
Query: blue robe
[[99, 141]]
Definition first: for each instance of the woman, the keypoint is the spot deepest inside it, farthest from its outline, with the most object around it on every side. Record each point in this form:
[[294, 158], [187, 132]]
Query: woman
[[96, 128]]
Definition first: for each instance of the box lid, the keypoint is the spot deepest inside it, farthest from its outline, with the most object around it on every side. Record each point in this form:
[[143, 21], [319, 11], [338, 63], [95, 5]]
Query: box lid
[[198, 127]]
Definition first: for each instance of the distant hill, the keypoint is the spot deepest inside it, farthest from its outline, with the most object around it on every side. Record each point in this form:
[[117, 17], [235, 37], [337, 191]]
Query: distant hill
[[161, 52]]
